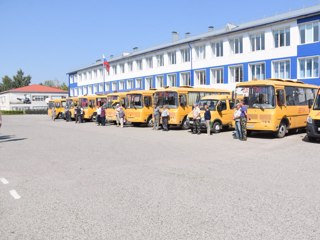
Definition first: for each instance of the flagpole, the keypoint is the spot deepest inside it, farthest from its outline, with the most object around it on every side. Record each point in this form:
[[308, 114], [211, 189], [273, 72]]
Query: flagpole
[[104, 80]]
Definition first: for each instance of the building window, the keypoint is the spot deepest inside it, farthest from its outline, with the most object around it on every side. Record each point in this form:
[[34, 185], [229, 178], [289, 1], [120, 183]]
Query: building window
[[185, 79], [185, 55], [236, 45], [309, 32], [160, 81], [121, 85], [281, 37], [217, 49], [107, 86], [200, 77], [160, 60], [139, 64], [172, 80], [114, 70], [114, 86], [217, 75], [130, 84], [122, 67], [281, 69], [257, 71], [100, 87], [100, 72], [201, 52], [95, 88], [149, 62], [236, 74], [148, 83], [89, 75], [39, 98], [95, 74], [257, 42], [172, 57], [129, 66], [138, 83], [309, 67]]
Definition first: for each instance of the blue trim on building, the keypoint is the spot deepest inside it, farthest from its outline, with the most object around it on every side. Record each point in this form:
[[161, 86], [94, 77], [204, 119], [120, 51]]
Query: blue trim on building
[[308, 19], [310, 49]]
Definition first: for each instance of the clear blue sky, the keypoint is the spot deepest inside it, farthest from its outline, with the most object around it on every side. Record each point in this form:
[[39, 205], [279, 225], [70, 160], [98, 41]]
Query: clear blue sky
[[48, 38]]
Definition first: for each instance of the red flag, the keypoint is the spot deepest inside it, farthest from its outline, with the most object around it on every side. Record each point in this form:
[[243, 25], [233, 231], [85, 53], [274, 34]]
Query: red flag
[[106, 64]]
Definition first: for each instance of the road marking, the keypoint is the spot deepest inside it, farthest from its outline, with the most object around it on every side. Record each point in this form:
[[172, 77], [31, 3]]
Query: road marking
[[4, 181], [14, 194]]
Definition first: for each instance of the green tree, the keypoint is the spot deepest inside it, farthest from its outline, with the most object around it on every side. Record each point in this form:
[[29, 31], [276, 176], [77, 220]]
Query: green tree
[[20, 80], [64, 87], [6, 84], [55, 83]]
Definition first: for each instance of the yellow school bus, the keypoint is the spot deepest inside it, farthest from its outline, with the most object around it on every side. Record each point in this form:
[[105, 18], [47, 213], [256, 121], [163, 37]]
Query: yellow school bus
[[313, 120], [71, 103], [276, 105], [90, 105], [180, 100], [221, 110], [59, 105], [139, 107], [112, 100]]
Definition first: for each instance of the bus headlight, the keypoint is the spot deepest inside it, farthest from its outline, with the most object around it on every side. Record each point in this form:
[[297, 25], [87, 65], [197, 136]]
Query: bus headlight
[[309, 120]]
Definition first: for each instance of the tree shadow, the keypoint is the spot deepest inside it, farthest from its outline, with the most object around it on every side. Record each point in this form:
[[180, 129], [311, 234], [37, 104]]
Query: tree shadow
[[10, 138]]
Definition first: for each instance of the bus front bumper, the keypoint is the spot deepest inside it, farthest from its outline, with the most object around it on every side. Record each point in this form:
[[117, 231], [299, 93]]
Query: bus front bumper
[[313, 130]]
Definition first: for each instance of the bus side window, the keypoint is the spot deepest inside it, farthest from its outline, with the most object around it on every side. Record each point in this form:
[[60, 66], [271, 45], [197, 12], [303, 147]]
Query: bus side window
[[223, 105], [231, 104]]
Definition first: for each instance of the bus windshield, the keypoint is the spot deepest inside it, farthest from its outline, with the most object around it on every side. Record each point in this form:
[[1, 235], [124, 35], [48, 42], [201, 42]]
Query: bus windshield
[[317, 102], [169, 99], [51, 105], [84, 102], [63, 104], [69, 103], [101, 101], [134, 101], [212, 103], [110, 101], [257, 96]]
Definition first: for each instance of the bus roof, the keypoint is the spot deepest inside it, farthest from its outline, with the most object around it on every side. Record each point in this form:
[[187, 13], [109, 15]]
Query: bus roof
[[216, 97], [117, 94], [150, 91], [191, 89], [274, 82]]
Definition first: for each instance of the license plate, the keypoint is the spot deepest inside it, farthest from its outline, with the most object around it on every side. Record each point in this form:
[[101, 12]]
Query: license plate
[[250, 126]]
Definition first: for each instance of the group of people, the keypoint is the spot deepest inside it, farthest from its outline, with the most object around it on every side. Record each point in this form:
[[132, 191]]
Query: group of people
[[164, 116]]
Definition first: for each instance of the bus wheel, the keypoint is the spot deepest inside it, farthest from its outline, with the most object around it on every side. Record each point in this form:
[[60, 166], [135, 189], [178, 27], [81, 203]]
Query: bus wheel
[[150, 122], [282, 130], [185, 125], [311, 139], [216, 127]]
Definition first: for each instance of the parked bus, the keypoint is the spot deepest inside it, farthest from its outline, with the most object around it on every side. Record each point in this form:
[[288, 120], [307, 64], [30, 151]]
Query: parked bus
[[139, 107], [112, 100], [71, 103], [221, 109], [276, 105], [90, 105], [180, 100], [313, 120], [59, 105]]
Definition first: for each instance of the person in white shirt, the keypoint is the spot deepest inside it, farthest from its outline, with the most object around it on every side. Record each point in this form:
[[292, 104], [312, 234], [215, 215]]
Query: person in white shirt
[[236, 118], [196, 119], [98, 116]]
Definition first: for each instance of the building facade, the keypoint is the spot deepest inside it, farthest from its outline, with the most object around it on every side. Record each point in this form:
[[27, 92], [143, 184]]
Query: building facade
[[29, 97], [284, 46]]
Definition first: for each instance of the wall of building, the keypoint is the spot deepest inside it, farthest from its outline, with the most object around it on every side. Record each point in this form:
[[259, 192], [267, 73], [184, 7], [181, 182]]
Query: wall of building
[[271, 61]]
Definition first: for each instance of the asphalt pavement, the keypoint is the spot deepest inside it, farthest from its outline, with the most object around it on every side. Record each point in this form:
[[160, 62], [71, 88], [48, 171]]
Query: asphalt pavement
[[61, 180]]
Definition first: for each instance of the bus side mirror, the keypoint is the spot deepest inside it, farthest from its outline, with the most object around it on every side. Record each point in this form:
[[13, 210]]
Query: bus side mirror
[[310, 102], [183, 101], [219, 107], [280, 96]]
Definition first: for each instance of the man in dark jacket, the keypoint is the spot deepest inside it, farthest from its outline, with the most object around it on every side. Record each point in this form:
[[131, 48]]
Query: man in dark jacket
[[207, 118]]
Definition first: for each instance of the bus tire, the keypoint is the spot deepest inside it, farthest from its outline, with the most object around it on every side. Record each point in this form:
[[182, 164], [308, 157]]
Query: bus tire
[[282, 130], [150, 121], [311, 139], [184, 124], [216, 127]]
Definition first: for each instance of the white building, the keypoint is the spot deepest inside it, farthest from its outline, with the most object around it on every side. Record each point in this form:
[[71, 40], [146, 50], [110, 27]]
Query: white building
[[29, 97], [283, 46]]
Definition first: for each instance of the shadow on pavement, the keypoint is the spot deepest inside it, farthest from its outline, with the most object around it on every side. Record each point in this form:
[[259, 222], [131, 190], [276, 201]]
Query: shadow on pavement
[[10, 138], [306, 139]]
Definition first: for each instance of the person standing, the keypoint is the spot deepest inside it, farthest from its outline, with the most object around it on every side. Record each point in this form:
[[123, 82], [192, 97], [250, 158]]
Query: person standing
[[207, 118], [81, 114], [54, 114], [156, 117], [121, 116], [236, 118], [75, 110], [103, 116], [98, 116], [243, 121], [196, 119], [165, 118], [117, 114]]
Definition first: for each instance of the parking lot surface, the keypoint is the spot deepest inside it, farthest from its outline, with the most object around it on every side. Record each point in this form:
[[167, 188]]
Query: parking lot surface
[[61, 180]]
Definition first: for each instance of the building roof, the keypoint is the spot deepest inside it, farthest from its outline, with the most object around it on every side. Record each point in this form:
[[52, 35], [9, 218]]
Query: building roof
[[230, 28], [36, 88]]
